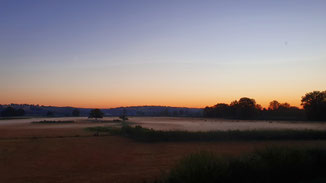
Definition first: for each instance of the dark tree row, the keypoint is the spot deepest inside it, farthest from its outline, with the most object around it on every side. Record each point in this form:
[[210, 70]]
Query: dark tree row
[[314, 104], [245, 108], [10, 111], [97, 113]]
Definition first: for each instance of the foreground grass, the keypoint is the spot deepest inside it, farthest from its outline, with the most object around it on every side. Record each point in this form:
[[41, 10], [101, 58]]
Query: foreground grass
[[264, 166], [52, 122], [150, 135]]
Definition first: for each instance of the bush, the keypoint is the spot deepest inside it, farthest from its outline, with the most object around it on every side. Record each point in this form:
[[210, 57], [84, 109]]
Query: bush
[[51, 122]]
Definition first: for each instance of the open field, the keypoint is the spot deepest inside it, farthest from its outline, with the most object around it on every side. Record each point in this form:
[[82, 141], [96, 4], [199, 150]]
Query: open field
[[149, 135], [68, 153], [177, 123]]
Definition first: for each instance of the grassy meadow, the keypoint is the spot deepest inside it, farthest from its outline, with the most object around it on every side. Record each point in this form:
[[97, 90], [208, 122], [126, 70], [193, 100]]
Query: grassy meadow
[[111, 150], [273, 164]]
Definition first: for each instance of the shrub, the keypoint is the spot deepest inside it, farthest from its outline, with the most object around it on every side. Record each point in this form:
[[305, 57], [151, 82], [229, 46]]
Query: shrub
[[51, 122]]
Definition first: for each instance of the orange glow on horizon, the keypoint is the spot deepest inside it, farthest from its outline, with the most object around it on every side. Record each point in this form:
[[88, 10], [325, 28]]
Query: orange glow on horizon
[[175, 97], [123, 103]]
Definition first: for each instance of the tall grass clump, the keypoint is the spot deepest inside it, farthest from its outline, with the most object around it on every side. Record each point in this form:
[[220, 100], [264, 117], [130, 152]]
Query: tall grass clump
[[264, 166]]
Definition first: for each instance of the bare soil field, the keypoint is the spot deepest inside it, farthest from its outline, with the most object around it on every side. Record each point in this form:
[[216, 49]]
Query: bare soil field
[[67, 153]]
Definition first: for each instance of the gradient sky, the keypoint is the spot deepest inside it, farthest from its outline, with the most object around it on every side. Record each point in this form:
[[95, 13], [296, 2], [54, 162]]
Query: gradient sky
[[172, 52]]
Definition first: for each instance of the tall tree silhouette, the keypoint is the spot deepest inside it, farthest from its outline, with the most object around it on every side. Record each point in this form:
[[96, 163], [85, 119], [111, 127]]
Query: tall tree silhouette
[[96, 113], [314, 104], [20, 112], [246, 108], [7, 112], [123, 115], [75, 112], [274, 105]]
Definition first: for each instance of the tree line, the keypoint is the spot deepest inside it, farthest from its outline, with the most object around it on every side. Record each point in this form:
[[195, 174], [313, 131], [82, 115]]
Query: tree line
[[314, 108], [97, 113], [10, 111]]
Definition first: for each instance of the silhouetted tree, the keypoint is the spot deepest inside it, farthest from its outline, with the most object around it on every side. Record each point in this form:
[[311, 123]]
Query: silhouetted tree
[[20, 112], [7, 112], [123, 115], [274, 105], [208, 112], [285, 105], [175, 113], [49, 113], [96, 113], [245, 108], [181, 112], [233, 108], [285, 111], [165, 112], [221, 110], [75, 112], [259, 107], [314, 103]]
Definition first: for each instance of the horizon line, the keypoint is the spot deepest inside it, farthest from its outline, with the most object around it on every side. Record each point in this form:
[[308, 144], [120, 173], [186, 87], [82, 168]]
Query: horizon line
[[104, 107], [146, 105]]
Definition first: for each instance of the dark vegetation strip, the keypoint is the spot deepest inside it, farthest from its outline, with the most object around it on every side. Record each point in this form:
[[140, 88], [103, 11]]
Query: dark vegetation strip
[[150, 135], [51, 137], [12, 118], [104, 121], [264, 166], [52, 122]]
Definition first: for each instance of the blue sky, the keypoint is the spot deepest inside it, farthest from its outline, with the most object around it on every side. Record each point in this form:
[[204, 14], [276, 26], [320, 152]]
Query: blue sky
[[180, 53]]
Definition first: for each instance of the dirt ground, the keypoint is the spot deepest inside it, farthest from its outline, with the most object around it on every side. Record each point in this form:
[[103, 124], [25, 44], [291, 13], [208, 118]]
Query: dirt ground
[[58, 153]]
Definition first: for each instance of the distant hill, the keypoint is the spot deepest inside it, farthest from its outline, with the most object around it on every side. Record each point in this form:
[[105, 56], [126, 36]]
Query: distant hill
[[40, 110], [155, 111]]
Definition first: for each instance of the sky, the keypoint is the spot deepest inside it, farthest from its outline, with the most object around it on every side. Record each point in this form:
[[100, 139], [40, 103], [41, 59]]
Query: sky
[[164, 52]]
